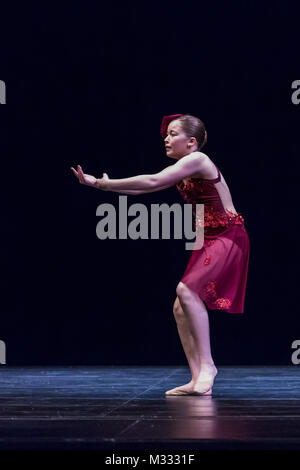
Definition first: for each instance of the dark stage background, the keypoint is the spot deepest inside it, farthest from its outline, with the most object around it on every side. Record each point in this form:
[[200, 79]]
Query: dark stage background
[[89, 83]]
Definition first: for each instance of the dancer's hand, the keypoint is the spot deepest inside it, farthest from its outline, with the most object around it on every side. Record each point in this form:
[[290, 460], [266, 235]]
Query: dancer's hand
[[90, 180], [83, 178]]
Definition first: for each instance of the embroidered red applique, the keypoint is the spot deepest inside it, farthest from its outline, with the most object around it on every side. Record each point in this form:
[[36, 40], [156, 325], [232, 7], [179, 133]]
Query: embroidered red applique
[[210, 242], [223, 302], [211, 288], [207, 259]]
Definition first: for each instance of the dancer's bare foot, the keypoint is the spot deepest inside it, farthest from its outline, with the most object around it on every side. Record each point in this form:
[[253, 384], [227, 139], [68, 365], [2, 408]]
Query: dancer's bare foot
[[202, 386]]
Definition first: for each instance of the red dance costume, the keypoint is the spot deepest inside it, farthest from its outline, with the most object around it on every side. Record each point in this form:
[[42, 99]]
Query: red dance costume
[[218, 271]]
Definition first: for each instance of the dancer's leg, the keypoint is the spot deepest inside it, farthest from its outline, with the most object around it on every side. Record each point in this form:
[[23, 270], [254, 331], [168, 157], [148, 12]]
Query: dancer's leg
[[187, 340], [199, 352]]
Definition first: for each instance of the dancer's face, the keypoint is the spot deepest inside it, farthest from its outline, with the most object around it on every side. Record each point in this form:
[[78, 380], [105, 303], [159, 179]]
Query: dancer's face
[[177, 143]]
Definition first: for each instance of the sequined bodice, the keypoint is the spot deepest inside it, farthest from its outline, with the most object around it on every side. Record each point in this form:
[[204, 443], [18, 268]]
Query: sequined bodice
[[203, 191]]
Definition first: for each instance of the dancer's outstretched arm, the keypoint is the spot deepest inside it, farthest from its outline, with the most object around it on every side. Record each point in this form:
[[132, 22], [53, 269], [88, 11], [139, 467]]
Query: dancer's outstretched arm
[[183, 168], [90, 180]]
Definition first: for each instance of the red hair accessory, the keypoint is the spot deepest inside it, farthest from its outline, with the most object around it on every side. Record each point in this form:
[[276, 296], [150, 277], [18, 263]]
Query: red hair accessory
[[165, 122]]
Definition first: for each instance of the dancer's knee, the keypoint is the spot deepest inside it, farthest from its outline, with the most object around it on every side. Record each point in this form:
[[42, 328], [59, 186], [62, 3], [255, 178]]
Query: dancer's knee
[[187, 296], [183, 292]]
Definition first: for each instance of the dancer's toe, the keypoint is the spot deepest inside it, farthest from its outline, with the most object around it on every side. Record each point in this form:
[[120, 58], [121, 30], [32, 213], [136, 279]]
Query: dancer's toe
[[182, 390]]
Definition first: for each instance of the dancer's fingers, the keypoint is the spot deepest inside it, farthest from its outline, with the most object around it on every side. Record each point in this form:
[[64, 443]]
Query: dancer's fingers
[[80, 174], [74, 171]]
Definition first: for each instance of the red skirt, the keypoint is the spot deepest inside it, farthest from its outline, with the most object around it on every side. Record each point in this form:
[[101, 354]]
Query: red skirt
[[218, 271]]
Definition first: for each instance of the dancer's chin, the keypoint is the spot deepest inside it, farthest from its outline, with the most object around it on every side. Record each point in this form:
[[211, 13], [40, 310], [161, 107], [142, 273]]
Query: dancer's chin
[[170, 155]]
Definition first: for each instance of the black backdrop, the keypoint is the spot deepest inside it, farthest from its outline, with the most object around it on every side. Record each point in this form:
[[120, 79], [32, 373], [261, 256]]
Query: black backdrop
[[89, 84]]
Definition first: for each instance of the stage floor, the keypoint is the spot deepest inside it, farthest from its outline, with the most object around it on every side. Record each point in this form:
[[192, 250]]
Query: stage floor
[[125, 407]]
